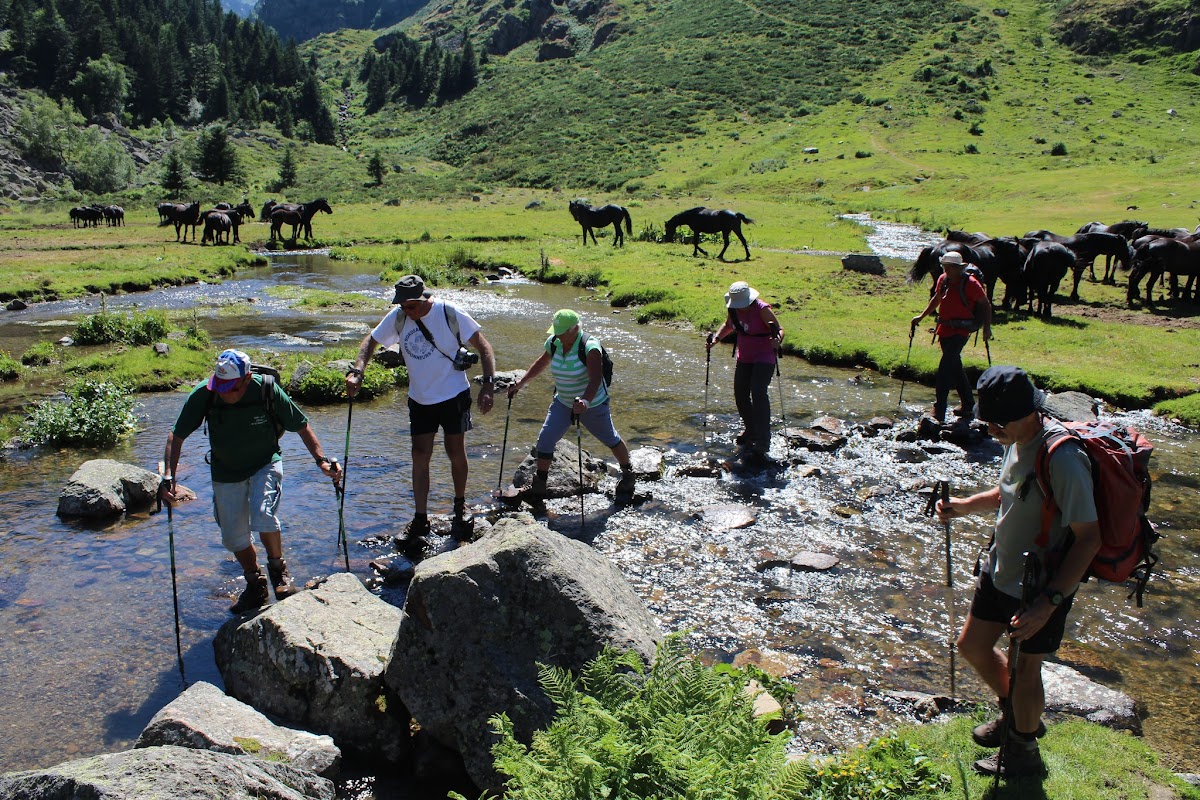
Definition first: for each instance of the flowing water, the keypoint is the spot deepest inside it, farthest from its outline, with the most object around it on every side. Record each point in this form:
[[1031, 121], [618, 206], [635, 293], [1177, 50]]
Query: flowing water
[[87, 650]]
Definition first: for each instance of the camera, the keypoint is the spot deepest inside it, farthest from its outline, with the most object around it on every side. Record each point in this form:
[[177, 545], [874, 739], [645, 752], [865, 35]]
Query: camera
[[464, 359]]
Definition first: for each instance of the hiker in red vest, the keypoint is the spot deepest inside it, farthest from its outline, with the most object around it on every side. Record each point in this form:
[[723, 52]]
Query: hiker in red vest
[[962, 307], [1034, 615]]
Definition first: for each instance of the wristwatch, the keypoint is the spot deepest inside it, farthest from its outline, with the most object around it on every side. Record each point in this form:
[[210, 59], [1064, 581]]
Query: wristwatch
[[1054, 597], [354, 371]]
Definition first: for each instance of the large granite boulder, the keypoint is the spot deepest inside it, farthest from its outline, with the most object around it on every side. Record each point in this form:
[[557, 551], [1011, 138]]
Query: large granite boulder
[[479, 619], [103, 487], [205, 718], [167, 772], [316, 660]]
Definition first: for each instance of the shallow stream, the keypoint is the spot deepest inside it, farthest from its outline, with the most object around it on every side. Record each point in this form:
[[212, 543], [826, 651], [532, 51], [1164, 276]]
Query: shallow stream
[[87, 651]]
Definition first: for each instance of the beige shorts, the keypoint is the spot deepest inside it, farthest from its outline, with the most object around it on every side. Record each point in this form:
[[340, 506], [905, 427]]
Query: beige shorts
[[248, 505]]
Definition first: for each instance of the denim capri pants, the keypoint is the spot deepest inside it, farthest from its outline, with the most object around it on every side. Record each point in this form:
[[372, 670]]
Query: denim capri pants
[[248, 505], [597, 419]]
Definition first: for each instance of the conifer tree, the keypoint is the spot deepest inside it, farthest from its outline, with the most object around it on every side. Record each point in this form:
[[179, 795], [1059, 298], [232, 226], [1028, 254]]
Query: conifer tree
[[376, 169], [216, 157], [174, 176], [287, 169]]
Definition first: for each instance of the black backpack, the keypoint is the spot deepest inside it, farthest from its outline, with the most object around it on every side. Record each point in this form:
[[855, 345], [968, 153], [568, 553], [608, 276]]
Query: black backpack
[[269, 377], [606, 363]]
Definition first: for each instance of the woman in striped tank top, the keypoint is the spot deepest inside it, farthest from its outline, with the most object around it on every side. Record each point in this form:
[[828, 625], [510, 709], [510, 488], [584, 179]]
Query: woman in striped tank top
[[576, 364]]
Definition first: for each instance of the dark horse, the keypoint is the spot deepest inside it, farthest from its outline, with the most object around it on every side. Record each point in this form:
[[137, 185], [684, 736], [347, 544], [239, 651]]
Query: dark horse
[[184, 216], [1086, 246], [997, 259], [590, 217], [1046, 266], [709, 220], [1129, 230], [1176, 256], [298, 216]]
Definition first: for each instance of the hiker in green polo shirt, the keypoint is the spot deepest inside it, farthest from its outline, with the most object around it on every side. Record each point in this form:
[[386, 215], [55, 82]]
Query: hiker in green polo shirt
[[246, 413]]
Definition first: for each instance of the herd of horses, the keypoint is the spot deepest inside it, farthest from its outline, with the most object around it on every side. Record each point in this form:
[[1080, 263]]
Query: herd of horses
[[701, 220], [91, 216], [221, 222], [1033, 266]]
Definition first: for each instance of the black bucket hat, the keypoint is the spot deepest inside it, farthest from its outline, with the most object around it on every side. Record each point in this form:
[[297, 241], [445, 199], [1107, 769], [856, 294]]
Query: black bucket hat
[[410, 287], [1006, 395]]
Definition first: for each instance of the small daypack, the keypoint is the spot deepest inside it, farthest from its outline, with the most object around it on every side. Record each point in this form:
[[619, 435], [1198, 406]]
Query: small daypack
[[1120, 460], [269, 377], [606, 363]]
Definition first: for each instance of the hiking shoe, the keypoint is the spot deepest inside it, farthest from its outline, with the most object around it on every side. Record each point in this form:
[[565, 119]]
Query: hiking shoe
[[627, 483], [254, 596], [938, 413], [743, 438], [415, 529], [989, 733], [537, 489], [462, 527], [281, 579], [1021, 760]]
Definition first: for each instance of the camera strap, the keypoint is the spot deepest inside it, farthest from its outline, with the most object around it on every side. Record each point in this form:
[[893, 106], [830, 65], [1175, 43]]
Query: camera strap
[[429, 338]]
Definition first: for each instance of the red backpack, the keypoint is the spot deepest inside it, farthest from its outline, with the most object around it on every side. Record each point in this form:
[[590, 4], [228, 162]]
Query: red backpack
[[1121, 486]]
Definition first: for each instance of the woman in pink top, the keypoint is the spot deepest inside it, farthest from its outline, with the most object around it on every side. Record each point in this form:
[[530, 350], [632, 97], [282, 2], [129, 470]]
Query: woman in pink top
[[758, 340]]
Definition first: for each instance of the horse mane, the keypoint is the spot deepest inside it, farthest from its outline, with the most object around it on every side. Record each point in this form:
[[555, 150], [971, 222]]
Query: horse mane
[[966, 238], [1168, 232]]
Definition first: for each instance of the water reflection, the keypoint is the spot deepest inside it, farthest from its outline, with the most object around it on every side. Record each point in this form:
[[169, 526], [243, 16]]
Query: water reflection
[[89, 636]]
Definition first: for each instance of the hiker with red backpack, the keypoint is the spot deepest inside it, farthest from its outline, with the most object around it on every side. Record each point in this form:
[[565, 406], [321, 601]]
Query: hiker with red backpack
[[962, 308], [581, 371], [1064, 545]]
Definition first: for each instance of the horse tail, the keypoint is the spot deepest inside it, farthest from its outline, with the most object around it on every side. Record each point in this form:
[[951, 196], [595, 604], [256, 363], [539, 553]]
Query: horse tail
[[920, 267], [628, 221], [744, 218]]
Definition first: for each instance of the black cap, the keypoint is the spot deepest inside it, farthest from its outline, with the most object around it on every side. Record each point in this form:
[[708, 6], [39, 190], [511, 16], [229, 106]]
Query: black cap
[[410, 287], [1006, 395]]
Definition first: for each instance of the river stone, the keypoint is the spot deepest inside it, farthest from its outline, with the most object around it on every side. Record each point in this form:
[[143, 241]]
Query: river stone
[[1070, 406], [819, 441], [503, 380], [168, 772], [1069, 692], [103, 487], [806, 561], [205, 718], [479, 619], [389, 357], [563, 480], [16, 305], [829, 424], [647, 463], [907, 454], [727, 516], [316, 660], [877, 424]]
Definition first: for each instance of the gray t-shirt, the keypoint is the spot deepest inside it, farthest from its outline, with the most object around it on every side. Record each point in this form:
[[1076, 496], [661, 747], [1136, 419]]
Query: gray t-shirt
[[1019, 522]]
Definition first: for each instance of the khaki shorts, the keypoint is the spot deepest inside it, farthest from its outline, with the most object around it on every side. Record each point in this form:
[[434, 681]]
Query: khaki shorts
[[248, 505]]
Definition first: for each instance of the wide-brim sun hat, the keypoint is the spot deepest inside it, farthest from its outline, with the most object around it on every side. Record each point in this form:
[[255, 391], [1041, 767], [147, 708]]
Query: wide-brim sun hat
[[740, 295], [953, 258]]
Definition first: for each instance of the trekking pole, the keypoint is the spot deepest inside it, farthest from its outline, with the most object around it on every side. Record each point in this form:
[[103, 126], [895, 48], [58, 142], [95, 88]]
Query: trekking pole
[[987, 348], [174, 580], [945, 486], [341, 490], [504, 445], [912, 331], [1030, 577], [579, 451], [707, 366], [782, 416]]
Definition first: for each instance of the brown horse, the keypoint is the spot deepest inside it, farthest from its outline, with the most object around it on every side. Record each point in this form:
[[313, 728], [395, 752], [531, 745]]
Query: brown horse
[[297, 215], [709, 220], [184, 216], [1163, 255], [590, 217], [215, 224]]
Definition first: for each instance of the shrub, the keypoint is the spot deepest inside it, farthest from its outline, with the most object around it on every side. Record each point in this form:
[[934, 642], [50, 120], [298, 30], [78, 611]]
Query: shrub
[[325, 383], [10, 370], [1059, 149], [39, 355], [971, 149], [862, 154], [95, 414], [135, 328]]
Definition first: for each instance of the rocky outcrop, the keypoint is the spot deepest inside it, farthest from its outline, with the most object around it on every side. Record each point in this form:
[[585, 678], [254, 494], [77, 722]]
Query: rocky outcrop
[[103, 487], [478, 620], [167, 772], [205, 718], [316, 660]]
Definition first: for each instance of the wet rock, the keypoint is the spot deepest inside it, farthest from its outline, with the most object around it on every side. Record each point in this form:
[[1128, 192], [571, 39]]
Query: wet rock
[[963, 434], [806, 561], [710, 468], [103, 487], [924, 706], [647, 463], [907, 454], [389, 357], [205, 718], [1069, 692], [818, 441], [831, 425], [317, 660], [477, 620], [929, 429], [766, 707], [1070, 406], [16, 305], [394, 571], [727, 516], [868, 264], [503, 381], [908, 435], [167, 772], [563, 480], [808, 471], [877, 424]]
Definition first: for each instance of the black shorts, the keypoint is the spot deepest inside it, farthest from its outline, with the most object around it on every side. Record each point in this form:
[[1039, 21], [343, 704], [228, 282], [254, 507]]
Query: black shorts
[[453, 416], [992, 605]]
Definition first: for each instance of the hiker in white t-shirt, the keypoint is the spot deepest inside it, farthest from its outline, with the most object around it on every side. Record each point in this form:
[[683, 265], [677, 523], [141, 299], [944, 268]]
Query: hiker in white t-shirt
[[432, 335]]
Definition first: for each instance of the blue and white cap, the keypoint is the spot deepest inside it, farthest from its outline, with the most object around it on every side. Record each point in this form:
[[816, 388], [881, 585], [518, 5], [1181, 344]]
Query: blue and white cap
[[232, 366]]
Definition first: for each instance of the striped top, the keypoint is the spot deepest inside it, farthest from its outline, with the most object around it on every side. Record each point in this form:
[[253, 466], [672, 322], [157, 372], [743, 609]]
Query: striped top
[[571, 374]]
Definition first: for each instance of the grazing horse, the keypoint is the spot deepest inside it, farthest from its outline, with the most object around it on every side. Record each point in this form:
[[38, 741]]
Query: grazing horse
[[297, 215], [709, 220], [245, 209], [1177, 256], [1044, 269], [216, 223], [235, 221], [1086, 246], [590, 217], [113, 216], [184, 216], [268, 207]]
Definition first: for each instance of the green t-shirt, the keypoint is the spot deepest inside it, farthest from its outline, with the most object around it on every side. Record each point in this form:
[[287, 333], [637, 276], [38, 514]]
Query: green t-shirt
[[242, 435]]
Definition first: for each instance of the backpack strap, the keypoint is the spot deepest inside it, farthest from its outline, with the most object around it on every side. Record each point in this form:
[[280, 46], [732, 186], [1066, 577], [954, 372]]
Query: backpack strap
[[1041, 473], [452, 321]]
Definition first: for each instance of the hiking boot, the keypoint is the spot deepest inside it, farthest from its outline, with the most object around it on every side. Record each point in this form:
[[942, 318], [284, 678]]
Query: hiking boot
[[281, 579], [254, 596], [989, 733], [462, 528], [537, 489], [743, 438], [627, 483], [939, 413], [1021, 760], [415, 529]]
